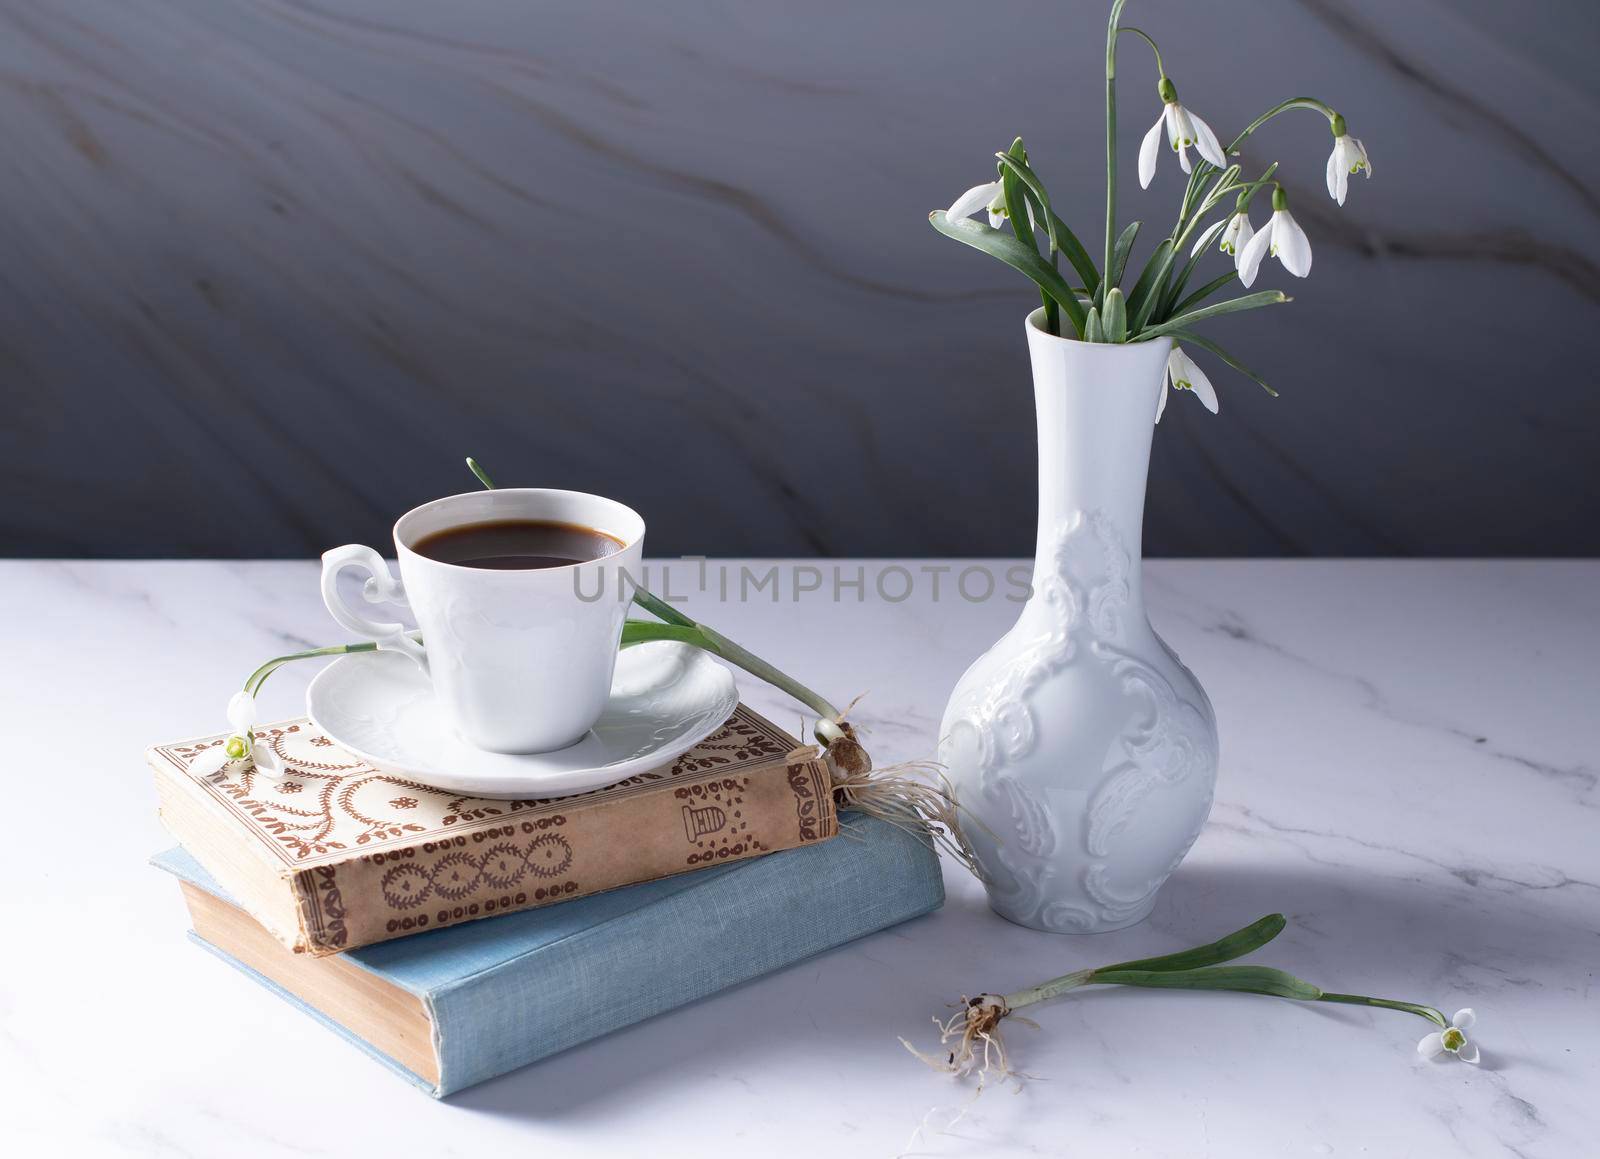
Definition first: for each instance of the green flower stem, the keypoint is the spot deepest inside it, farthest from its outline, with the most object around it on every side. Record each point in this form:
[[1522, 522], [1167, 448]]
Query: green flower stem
[[1184, 230], [256, 679], [1227, 182], [1111, 147], [1186, 206], [1155, 48], [1291, 103], [1047, 990], [686, 631], [1427, 1012], [660, 609], [1250, 188], [1204, 169]]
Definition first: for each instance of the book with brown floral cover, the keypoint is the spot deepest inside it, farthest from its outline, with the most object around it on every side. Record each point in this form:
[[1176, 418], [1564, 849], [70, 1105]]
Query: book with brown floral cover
[[335, 854]]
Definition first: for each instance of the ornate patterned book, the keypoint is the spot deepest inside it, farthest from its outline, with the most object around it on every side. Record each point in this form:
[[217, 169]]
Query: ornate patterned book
[[335, 854], [453, 1007]]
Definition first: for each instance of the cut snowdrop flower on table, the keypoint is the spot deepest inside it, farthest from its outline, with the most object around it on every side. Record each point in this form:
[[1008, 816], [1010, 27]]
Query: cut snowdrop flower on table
[[1183, 374], [1283, 238], [1452, 1039], [974, 1048], [242, 744], [1348, 158]]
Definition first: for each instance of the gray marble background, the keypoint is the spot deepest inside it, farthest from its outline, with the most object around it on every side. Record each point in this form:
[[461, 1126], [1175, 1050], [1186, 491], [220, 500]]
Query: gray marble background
[[269, 268]]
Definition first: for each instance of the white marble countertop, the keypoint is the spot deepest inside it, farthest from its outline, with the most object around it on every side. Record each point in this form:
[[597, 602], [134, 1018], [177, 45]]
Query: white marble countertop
[[1408, 772]]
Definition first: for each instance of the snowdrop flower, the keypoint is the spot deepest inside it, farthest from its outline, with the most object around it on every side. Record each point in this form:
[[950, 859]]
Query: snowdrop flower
[[1183, 374], [242, 716], [1183, 129], [1237, 235], [991, 196], [1210, 236], [1283, 238], [1348, 158], [1452, 1039]]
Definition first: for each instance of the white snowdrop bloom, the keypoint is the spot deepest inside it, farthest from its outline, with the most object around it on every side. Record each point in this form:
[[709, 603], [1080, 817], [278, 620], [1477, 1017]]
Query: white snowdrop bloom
[[1283, 238], [990, 196], [1348, 158], [242, 744], [1183, 374], [1452, 1039], [1184, 129], [1237, 235]]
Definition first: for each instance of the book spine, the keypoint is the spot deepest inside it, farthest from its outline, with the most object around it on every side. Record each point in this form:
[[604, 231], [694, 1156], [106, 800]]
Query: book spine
[[716, 932], [539, 857]]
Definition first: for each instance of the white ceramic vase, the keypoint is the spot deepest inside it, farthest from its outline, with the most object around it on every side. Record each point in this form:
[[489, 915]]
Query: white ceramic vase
[[1081, 745]]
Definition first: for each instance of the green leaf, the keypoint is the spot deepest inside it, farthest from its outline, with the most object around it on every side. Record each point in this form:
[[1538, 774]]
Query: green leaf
[[1092, 330], [1236, 945], [1016, 202], [1024, 259], [1017, 211], [1115, 318], [1076, 254], [1061, 237], [1430, 1013], [1119, 254], [1170, 294], [1231, 306], [1014, 172], [1203, 293], [1190, 336], [1052, 315], [1245, 979], [1147, 289]]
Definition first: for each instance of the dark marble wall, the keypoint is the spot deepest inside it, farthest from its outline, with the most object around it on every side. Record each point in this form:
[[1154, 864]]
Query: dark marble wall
[[269, 268]]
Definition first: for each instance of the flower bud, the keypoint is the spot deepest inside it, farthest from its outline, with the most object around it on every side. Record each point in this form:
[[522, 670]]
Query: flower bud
[[1115, 319]]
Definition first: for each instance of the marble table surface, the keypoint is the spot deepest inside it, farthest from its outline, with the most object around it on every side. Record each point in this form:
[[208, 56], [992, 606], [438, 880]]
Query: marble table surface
[[1408, 772]]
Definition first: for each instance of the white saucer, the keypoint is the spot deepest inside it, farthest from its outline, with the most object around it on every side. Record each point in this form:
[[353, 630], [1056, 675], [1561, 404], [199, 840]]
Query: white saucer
[[665, 698]]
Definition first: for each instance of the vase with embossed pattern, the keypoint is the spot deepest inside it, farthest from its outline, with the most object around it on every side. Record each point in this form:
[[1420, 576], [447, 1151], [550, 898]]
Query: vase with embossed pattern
[[1081, 745]]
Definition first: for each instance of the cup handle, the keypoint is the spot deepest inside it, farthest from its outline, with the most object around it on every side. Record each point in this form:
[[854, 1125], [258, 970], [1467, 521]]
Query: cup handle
[[380, 588]]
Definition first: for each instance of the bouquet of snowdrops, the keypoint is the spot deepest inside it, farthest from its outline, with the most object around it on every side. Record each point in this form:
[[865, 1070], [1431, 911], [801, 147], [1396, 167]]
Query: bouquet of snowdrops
[[1215, 208]]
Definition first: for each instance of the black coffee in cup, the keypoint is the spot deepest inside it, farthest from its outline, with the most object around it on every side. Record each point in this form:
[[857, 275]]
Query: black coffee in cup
[[517, 544]]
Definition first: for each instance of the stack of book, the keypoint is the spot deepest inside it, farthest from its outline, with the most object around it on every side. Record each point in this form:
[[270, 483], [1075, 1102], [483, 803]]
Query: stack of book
[[456, 938]]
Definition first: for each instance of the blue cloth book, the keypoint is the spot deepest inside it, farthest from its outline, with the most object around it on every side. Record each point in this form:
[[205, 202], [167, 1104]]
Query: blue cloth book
[[456, 1006]]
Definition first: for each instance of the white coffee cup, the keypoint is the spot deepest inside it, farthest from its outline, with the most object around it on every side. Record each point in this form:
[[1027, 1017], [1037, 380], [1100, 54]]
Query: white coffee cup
[[521, 660]]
